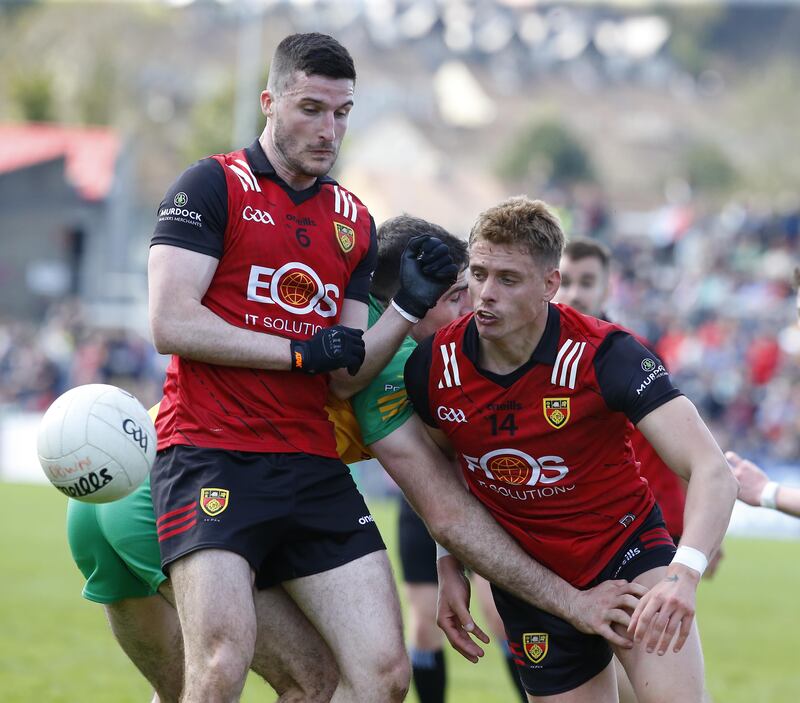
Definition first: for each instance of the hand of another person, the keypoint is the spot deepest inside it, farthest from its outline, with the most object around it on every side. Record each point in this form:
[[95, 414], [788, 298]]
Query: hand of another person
[[597, 610], [426, 271], [330, 348], [453, 616], [666, 609], [750, 477]]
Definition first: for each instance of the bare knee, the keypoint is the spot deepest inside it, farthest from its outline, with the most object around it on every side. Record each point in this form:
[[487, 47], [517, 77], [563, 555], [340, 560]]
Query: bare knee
[[315, 684], [382, 676], [393, 676]]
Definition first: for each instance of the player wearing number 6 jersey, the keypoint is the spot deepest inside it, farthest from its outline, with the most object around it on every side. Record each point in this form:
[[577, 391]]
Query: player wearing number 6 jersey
[[537, 401], [258, 280]]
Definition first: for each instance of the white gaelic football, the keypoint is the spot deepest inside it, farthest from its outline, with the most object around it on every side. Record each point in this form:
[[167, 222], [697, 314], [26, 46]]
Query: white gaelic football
[[96, 443]]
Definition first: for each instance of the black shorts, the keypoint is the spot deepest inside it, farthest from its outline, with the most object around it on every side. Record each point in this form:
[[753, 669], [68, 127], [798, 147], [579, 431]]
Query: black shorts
[[551, 655], [417, 548], [289, 515]]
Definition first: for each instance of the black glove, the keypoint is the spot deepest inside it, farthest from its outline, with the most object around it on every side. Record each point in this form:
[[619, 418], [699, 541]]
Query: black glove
[[426, 272], [331, 348]]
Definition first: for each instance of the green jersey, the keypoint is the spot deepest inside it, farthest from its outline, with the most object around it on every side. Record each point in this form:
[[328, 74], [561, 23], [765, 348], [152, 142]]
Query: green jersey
[[383, 405]]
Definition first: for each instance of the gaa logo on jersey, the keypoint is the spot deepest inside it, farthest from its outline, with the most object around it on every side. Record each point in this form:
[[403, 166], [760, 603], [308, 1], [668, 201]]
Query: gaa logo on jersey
[[535, 645], [556, 411], [295, 287], [213, 501], [346, 236], [518, 468], [648, 365], [180, 199]]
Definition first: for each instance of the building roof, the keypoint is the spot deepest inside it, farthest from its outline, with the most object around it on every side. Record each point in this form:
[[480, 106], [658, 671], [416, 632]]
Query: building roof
[[90, 153]]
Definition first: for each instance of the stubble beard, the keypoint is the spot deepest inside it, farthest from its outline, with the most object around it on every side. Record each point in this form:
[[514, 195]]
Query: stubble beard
[[289, 148]]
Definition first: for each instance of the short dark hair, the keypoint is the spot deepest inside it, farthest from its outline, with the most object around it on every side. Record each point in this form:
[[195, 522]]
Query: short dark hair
[[312, 53], [585, 248], [393, 235], [525, 222]]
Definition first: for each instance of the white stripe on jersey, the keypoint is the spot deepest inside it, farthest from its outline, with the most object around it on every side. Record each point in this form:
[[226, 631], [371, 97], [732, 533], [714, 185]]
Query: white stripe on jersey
[[450, 361], [354, 215], [343, 204], [253, 179], [559, 357], [574, 375], [244, 178], [567, 363]]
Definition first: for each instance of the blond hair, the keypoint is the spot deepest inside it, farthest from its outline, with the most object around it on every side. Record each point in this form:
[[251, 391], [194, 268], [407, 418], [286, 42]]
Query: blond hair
[[525, 222]]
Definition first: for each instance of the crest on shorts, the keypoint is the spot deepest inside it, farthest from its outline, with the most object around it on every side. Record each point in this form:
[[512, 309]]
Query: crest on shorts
[[346, 236], [214, 500], [556, 411], [535, 645]]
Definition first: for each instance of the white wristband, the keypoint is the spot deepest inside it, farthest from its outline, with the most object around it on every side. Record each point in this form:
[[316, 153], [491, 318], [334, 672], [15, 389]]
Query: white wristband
[[405, 314], [691, 557], [769, 495], [440, 551]]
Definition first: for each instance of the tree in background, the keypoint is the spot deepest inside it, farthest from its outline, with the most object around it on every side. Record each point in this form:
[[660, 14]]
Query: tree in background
[[708, 169], [32, 95], [546, 151]]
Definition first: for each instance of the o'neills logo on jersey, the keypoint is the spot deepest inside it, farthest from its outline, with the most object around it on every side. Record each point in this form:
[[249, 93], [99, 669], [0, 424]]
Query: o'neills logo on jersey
[[556, 411], [295, 287], [518, 468]]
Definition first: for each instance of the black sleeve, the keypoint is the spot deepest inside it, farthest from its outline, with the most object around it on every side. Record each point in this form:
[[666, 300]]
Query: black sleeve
[[360, 279], [416, 374], [632, 379], [194, 212]]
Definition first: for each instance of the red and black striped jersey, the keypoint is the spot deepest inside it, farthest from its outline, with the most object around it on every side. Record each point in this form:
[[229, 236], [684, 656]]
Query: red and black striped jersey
[[547, 447], [287, 259]]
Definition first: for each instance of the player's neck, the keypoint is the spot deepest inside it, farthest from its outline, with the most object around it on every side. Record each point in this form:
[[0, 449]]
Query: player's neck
[[505, 355], [294, 179]]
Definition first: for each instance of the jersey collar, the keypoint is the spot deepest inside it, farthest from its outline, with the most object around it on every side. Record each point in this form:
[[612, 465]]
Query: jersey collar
[[547, 349], [261, 165], [544, 353]]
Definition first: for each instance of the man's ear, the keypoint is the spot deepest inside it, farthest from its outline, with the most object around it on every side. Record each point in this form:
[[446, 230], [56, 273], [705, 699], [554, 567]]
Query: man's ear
[[267, 102], [552, 282]]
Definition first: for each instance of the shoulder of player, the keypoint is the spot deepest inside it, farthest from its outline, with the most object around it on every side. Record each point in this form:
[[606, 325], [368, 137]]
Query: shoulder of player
[[590, 329], [345, 202], [451, 330], [203, 172]]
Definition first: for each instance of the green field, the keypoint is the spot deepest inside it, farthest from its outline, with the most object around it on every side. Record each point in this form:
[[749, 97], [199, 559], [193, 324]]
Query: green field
[[56, 647]]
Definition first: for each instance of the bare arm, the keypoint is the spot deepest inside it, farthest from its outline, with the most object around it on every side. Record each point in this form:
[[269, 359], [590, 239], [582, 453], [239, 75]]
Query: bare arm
[[177, 281], [752, 481], [683, 441], [381, 341], [460, 523]]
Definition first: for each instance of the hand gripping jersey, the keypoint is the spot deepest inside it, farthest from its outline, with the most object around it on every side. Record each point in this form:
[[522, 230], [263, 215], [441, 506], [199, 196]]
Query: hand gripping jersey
[[287, 260], [546, 448]]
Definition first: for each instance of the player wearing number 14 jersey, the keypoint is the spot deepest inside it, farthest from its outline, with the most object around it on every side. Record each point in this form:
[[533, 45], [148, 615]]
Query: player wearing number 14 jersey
[[538, 403]]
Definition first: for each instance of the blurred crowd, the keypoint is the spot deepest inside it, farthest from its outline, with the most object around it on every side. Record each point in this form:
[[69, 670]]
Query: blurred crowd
[[713, 293], [38, 362], [716, 295]]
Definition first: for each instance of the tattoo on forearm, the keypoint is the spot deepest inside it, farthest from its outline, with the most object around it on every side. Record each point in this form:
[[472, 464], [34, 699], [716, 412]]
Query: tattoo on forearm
[[671, 578]]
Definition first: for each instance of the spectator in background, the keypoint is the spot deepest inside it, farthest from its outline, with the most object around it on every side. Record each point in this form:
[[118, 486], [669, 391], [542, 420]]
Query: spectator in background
[[755, 488]]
